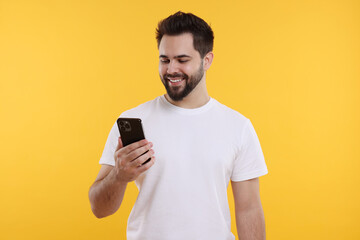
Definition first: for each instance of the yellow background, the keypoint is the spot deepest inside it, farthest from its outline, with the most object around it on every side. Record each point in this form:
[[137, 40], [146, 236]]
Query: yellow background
[[69, 68]]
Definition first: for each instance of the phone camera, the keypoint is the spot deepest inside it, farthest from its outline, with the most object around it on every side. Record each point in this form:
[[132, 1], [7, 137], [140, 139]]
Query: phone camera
[[125, 126]]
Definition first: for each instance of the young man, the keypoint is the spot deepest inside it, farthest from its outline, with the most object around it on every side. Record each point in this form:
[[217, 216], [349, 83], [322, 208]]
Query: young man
[[199, 144]]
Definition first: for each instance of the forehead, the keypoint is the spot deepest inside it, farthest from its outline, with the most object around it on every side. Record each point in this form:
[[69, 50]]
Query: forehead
[[177, 45]]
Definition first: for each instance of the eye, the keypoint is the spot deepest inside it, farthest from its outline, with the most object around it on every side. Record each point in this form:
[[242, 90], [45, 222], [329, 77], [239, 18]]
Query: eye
[[183, 61], [164, 60]]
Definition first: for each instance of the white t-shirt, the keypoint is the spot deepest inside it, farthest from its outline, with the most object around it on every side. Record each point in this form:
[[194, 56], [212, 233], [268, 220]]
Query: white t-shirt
[[198, 151]]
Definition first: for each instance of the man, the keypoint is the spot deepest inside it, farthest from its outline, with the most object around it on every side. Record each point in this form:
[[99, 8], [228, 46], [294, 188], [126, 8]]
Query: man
[[199, 144]]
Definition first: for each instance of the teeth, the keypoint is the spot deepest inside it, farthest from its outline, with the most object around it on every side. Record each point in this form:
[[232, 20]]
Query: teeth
[[175, 81]]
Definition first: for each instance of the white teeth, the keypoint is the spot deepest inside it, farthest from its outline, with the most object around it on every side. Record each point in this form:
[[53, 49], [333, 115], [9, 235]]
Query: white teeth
[[175, 81]]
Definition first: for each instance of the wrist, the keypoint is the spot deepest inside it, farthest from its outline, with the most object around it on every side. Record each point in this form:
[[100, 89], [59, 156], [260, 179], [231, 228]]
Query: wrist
[[116, 177]]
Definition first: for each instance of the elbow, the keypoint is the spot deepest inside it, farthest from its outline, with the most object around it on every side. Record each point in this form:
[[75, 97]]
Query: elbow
[[101, 213], [98, 214], [94, 206]]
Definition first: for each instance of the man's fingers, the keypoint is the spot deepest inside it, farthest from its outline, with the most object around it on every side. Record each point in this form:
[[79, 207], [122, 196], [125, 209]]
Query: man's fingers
[[131, 147], [126, 153], [147, 165], [143, 158], [139, 151]]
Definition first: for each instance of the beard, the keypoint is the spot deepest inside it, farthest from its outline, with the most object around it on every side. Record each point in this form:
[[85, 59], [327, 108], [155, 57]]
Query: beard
[[178, 93]]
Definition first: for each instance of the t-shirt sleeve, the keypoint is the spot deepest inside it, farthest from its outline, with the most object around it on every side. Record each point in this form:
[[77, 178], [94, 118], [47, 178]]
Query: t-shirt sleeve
[[107, 156], [249, 162]]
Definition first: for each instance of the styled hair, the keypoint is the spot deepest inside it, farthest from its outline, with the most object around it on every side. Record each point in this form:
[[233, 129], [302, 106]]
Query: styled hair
[[178, 23]]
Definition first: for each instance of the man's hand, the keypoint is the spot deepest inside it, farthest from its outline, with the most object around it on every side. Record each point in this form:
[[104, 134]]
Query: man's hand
[[129, 160], [107, 192]]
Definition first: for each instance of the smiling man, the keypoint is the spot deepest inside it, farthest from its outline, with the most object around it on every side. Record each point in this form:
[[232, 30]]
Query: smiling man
[[200, 146], [175, 69]]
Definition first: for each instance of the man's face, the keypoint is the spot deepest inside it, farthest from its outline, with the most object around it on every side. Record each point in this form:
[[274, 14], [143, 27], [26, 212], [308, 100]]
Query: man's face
[[180, 67]]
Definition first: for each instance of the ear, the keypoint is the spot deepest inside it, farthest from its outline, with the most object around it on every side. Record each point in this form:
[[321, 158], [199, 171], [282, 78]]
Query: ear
[[208, 60]]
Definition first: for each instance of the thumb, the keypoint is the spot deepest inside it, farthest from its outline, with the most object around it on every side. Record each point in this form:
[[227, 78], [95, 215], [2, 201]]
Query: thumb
[[120, 144]]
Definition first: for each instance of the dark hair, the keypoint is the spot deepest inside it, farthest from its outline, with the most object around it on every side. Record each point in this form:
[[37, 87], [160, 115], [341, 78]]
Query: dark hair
[[180, 22]]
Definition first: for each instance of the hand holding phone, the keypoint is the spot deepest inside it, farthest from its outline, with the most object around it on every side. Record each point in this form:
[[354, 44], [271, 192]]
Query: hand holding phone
[[133, 154], [131, 131], [128, 164]]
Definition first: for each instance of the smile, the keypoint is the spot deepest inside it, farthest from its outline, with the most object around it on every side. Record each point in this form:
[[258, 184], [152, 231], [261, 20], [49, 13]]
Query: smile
[[175, 80]]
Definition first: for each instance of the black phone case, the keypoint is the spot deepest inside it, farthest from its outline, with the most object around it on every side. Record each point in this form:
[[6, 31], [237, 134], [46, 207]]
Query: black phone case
[[130, 130]]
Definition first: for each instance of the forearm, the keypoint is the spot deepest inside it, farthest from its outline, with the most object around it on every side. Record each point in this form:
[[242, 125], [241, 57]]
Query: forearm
[[106, 195], [250, 224]]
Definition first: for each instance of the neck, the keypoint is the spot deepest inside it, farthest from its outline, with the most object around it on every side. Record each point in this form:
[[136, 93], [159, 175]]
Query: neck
[[197, 98]]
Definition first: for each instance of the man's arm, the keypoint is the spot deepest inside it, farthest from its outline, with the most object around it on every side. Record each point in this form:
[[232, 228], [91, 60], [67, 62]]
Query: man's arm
[[107, 192], [250, 221]]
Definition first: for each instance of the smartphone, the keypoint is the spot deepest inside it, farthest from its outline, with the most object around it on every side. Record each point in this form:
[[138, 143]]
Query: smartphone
[[131, 131]]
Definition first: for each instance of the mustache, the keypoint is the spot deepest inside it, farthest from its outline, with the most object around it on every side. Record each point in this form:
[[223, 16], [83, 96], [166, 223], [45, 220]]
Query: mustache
[[176, 75]]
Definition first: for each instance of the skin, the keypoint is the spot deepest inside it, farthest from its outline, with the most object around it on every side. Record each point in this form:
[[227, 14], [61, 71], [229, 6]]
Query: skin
[[177, 56], [250, 221], [107, 192], [182, 45]]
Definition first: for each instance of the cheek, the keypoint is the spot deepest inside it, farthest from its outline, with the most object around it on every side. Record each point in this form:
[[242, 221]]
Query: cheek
[[189, 70], [162, 69]]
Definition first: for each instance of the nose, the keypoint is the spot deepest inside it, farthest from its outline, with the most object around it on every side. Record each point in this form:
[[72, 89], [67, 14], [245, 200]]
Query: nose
[[172, 67]]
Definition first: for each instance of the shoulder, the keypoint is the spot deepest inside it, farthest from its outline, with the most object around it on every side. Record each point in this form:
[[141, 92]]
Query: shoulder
[[142, 110], [230, 114]]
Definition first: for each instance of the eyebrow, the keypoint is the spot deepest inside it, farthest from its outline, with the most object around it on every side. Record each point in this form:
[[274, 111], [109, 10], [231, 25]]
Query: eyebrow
[[178, 56]]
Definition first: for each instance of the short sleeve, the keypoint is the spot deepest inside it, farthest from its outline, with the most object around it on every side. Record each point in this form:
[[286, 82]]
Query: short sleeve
[[107, 156], [249, 162]]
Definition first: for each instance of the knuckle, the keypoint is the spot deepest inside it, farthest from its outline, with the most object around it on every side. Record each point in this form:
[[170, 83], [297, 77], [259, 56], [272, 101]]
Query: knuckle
[[137, 162], [122, 163], [149, 154], [118, 153]]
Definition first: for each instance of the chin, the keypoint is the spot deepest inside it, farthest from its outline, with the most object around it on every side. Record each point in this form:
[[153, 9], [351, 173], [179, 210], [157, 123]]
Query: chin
[[175, 98]]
